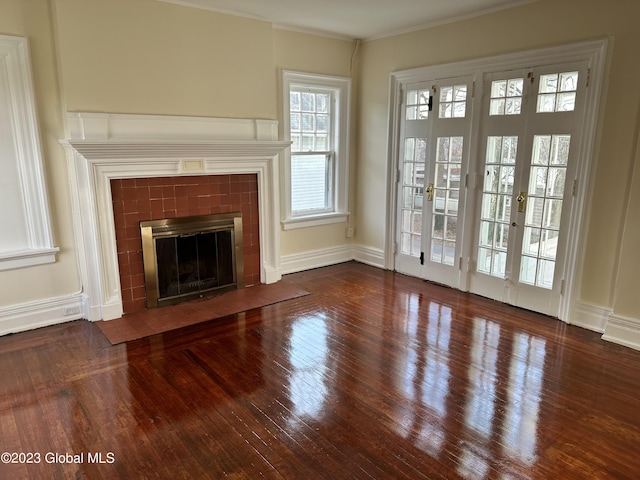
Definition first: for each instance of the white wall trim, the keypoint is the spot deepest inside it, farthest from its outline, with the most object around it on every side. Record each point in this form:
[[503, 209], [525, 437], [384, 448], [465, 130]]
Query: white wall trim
[[299, 262], [31, 217], [369, 256], [42, 313], [623, 331], [102, 147], [591, 317]]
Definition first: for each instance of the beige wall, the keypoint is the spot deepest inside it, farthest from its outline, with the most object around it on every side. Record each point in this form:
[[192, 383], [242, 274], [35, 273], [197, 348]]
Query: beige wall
[[540, 24], [149, 57]]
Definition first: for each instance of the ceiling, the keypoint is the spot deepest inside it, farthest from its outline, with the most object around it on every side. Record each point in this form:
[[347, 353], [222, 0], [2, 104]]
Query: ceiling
[[362, 19]]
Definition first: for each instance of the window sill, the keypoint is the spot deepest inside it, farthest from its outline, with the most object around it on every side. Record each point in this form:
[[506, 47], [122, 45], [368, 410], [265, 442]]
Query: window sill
[[314, 220], [27, 258]]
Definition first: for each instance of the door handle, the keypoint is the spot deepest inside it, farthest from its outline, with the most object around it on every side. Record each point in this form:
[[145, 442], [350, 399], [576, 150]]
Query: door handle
[[522, 201], [430, 192]]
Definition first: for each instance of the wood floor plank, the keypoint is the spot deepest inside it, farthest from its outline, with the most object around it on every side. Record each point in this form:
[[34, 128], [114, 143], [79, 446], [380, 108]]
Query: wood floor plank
[[371, 375]]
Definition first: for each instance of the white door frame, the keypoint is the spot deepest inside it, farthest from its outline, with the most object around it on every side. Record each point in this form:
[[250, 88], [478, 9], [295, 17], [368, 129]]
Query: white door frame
[[594, 52]]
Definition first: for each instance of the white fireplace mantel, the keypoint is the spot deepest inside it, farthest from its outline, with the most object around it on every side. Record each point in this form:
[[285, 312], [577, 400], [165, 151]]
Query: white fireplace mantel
[[102, 147]]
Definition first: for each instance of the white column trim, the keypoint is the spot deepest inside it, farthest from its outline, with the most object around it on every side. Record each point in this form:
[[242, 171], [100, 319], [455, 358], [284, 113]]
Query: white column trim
[[16, 87], [623, 331]]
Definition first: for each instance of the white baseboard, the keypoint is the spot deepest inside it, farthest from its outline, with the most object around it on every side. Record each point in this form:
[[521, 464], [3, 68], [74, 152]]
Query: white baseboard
[[623, 330], [368, 255], [316, 258], [27, 316], [591, 317]]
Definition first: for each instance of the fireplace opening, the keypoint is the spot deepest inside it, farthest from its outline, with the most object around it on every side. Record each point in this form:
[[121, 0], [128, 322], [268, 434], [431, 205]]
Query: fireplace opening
[[190, 257]]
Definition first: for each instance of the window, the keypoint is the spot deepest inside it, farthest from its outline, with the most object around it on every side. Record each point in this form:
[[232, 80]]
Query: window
[[316, 110], [26, 238], [506, 97], [557, 92]]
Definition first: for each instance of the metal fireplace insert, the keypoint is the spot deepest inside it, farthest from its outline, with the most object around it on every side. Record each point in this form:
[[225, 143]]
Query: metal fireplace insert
[[190, 257]]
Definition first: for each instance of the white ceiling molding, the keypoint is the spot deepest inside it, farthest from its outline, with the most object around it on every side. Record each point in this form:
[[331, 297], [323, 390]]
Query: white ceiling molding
[[354, 19]]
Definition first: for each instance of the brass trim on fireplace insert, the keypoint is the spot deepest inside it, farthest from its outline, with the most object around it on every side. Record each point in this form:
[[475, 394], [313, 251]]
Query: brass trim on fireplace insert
[[173, 227]]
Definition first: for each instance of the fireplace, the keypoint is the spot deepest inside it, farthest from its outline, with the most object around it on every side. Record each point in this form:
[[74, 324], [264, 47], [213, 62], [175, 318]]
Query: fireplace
[[106, 148], [136, 200], [190, 257]]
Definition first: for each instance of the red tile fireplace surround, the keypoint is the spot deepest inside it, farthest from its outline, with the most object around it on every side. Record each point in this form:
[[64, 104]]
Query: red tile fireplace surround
[[141, 199]]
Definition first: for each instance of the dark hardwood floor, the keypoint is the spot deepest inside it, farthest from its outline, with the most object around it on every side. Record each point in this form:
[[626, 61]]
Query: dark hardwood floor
[[372, 375]]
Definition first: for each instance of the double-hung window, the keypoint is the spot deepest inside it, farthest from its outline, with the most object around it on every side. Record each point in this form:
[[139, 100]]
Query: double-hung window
[[316, 110]]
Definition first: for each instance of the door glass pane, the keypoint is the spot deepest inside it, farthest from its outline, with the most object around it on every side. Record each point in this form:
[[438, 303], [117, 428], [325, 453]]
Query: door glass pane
[[506, 97], [436, 250], [448, 170], [549, 244], [556, 182], [417, 104], [547, 179], [453, 197], [505, 184], [438, 227], [557, 92], [528, 268], [531, 242], [546, 271], [499, 267], [560, 149], [412, 193], [453, 101], [496, 200], [449, 253]]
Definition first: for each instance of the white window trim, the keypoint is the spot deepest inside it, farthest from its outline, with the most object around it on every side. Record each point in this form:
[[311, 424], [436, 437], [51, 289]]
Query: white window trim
[[14, 53], [342, 88]]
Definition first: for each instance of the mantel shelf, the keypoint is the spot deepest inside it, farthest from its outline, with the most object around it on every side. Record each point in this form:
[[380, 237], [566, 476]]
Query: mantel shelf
[[119, 149]]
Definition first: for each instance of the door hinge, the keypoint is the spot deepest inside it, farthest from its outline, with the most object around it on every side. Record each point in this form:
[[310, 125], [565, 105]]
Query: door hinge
[[460, 263], [395, 247], [474, 181], [562, 287], [574, 187], [470, 180], [473, 89], [421, 258], [588, 77], [401, 96]]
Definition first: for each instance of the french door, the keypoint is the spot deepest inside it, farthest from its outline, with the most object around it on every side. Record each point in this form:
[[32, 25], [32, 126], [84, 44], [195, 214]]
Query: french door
[[515, 185], [530, 132], [434, 153]]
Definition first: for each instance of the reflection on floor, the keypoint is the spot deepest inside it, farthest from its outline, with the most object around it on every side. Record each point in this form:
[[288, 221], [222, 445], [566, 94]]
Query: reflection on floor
[[145, 323]]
